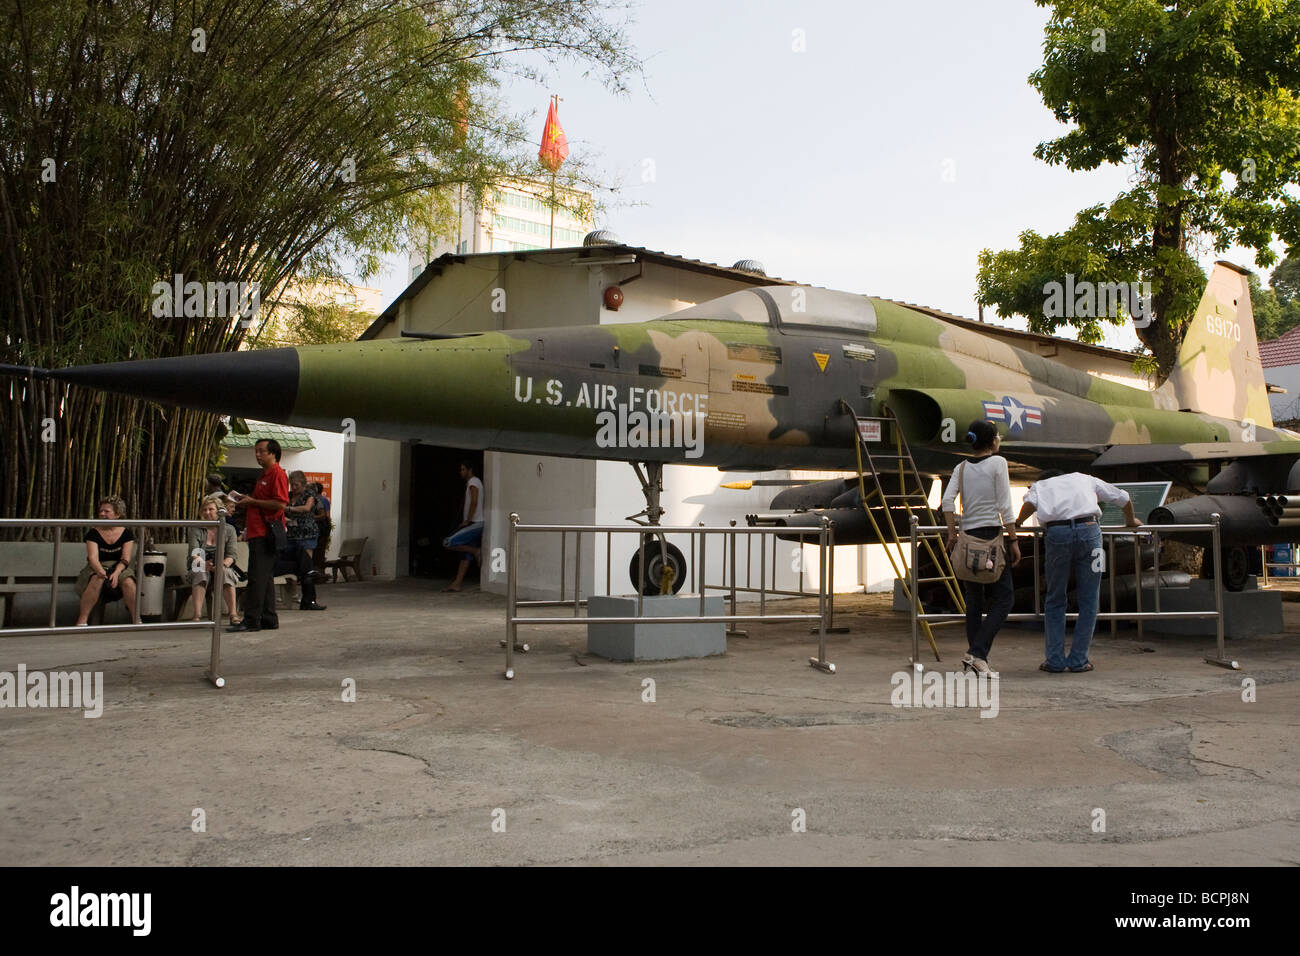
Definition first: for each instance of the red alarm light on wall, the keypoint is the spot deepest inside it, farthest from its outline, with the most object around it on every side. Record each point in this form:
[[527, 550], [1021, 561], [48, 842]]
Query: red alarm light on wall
[[613, 298]]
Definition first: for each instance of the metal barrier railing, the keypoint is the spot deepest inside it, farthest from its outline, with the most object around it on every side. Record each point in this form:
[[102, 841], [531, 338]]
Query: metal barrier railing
[[213, 673], [824, 540], [1110, 533]]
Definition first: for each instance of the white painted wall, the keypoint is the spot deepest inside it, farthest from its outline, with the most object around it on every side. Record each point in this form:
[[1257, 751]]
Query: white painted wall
[[327, 456], [374, 504], [541, 490], [1285, 407]]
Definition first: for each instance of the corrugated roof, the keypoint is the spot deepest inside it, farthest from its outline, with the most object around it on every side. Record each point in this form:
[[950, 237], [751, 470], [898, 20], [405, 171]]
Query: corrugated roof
[[1283, 350], [290, 438]]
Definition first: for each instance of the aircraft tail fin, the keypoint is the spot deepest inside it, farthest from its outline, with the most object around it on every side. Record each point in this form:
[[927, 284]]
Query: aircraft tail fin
[[1218, 371]]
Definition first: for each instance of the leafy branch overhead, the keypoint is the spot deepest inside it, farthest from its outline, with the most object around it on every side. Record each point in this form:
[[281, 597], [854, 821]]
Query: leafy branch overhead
[[1201, 100], [230, 141]]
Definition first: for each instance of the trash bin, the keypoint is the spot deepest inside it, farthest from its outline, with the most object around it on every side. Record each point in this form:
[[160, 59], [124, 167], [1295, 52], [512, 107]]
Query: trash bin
[[153, 589]]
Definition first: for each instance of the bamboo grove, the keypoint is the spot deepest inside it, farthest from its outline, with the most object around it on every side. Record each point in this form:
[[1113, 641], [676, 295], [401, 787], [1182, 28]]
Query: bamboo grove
[[225, 141]]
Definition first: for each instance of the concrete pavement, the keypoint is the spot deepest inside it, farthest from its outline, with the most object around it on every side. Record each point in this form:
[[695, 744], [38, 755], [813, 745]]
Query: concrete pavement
[[437, 747]]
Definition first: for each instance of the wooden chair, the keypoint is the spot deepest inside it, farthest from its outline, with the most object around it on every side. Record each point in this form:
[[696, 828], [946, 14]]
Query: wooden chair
[[349, 557]]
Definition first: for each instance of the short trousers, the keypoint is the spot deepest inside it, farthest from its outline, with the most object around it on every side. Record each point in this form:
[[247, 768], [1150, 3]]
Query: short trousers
[[471, 535]]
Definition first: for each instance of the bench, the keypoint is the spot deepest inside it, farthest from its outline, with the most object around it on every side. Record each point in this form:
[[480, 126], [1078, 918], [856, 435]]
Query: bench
[[183, 595], [25, 569], [349, 558]]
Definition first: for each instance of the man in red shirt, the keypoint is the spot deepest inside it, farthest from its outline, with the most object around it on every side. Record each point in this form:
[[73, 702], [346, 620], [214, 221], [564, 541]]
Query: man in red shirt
[[263, 519]]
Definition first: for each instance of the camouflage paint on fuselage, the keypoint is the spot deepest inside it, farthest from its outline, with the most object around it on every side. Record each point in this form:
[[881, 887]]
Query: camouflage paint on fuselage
[[767, 371]]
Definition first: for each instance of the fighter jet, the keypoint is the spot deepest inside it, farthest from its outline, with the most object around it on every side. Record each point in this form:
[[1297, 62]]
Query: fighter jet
[[772, 378]]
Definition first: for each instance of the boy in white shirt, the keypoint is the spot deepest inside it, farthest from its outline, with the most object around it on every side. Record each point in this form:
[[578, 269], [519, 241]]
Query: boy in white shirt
[[468, 536]]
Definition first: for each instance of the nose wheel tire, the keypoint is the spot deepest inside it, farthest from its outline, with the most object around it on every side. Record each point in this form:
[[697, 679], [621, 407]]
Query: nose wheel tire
[[1235, 563], [652, 582]]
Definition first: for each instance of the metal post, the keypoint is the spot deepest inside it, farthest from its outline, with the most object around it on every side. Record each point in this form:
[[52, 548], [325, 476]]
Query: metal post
[[609, 559], [1137, 577], [693, 559], [1155, 542], [640, 573], [800, 545], [911, 574], [139, 573], [577, 570], [218, 570], [54, 578], [1114, 621], [732, 629], [512, 581], [1039, 541], [762, 578], [823, 560], [564, 540], [703, 568], [775, 566], [830, 592], [1263, 563], [1222, 659], [749, 561]]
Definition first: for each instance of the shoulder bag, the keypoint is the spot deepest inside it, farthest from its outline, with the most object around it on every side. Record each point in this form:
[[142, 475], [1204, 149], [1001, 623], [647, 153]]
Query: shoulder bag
[[974, 559]]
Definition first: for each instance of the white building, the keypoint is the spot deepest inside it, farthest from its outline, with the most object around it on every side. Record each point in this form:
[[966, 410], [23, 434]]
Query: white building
[[516, 217], [404, 496]]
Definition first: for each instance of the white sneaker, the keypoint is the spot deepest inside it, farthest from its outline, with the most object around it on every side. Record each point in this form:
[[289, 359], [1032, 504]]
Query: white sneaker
[[982, 668], [967, 661]]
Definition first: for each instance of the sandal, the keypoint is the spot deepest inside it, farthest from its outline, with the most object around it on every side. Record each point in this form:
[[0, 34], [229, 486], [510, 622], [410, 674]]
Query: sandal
[[1081, 670], [1051, 670]]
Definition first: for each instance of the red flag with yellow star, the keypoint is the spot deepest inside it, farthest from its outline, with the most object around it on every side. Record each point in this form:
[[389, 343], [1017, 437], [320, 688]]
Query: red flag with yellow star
[[555, 147]]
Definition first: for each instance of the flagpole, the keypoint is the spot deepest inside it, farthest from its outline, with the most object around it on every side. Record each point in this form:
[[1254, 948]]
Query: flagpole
[[551, 242]]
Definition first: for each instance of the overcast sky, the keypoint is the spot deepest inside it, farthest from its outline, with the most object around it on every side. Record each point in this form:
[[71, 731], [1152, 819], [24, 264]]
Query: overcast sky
[[879, 159]]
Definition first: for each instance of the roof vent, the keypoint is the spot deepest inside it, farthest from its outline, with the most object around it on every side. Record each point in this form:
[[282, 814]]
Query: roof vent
[[750, 265], [601, 237]]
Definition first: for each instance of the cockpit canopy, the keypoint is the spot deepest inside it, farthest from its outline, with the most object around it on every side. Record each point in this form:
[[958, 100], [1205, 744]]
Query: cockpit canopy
[[787, 306]]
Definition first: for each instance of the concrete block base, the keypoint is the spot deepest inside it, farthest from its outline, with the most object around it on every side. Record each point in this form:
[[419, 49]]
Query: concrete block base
[[1248, 613], [654, 642]]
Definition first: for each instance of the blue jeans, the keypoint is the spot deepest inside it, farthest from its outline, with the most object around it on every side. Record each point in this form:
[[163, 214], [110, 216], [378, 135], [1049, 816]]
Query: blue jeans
[[471, 535], [1076, 547]]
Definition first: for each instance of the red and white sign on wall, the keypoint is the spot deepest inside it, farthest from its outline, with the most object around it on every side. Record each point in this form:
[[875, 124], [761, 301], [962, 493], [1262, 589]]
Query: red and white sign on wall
[[326, 480]]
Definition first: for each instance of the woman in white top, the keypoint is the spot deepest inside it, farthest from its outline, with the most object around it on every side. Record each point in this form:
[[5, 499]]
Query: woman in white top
[[985, 511]]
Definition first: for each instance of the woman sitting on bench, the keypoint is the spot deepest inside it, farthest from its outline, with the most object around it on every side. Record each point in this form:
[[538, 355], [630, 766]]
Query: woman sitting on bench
[[108, 575], [203, 554]]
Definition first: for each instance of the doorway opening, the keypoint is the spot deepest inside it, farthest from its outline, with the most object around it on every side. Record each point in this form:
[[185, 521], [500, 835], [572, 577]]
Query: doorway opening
[[437, 503]]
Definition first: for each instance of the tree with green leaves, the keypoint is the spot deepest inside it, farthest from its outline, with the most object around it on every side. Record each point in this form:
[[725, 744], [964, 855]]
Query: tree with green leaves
[[227, 141], [1201, 99], [313, 323]]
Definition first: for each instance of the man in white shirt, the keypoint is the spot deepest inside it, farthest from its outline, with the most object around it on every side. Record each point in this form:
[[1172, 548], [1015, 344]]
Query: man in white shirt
[[1067, 507], [469, 535]]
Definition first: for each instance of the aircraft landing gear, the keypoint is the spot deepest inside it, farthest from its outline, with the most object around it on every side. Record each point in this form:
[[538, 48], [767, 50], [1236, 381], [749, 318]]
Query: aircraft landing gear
[[1235, 563], [664, 570]]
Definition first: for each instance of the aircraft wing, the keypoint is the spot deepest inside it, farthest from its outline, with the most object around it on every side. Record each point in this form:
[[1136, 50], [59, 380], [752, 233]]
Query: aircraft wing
[[1118, 455]]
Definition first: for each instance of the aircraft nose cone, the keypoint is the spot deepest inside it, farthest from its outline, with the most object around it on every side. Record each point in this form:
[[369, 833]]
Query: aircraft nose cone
[[255, 384]]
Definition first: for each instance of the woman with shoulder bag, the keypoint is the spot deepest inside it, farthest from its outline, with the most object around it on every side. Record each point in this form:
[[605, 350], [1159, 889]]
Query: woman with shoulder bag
[[985, 489]]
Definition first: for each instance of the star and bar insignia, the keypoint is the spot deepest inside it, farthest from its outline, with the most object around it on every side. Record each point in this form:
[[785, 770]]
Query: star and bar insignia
[[1016, 414]]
